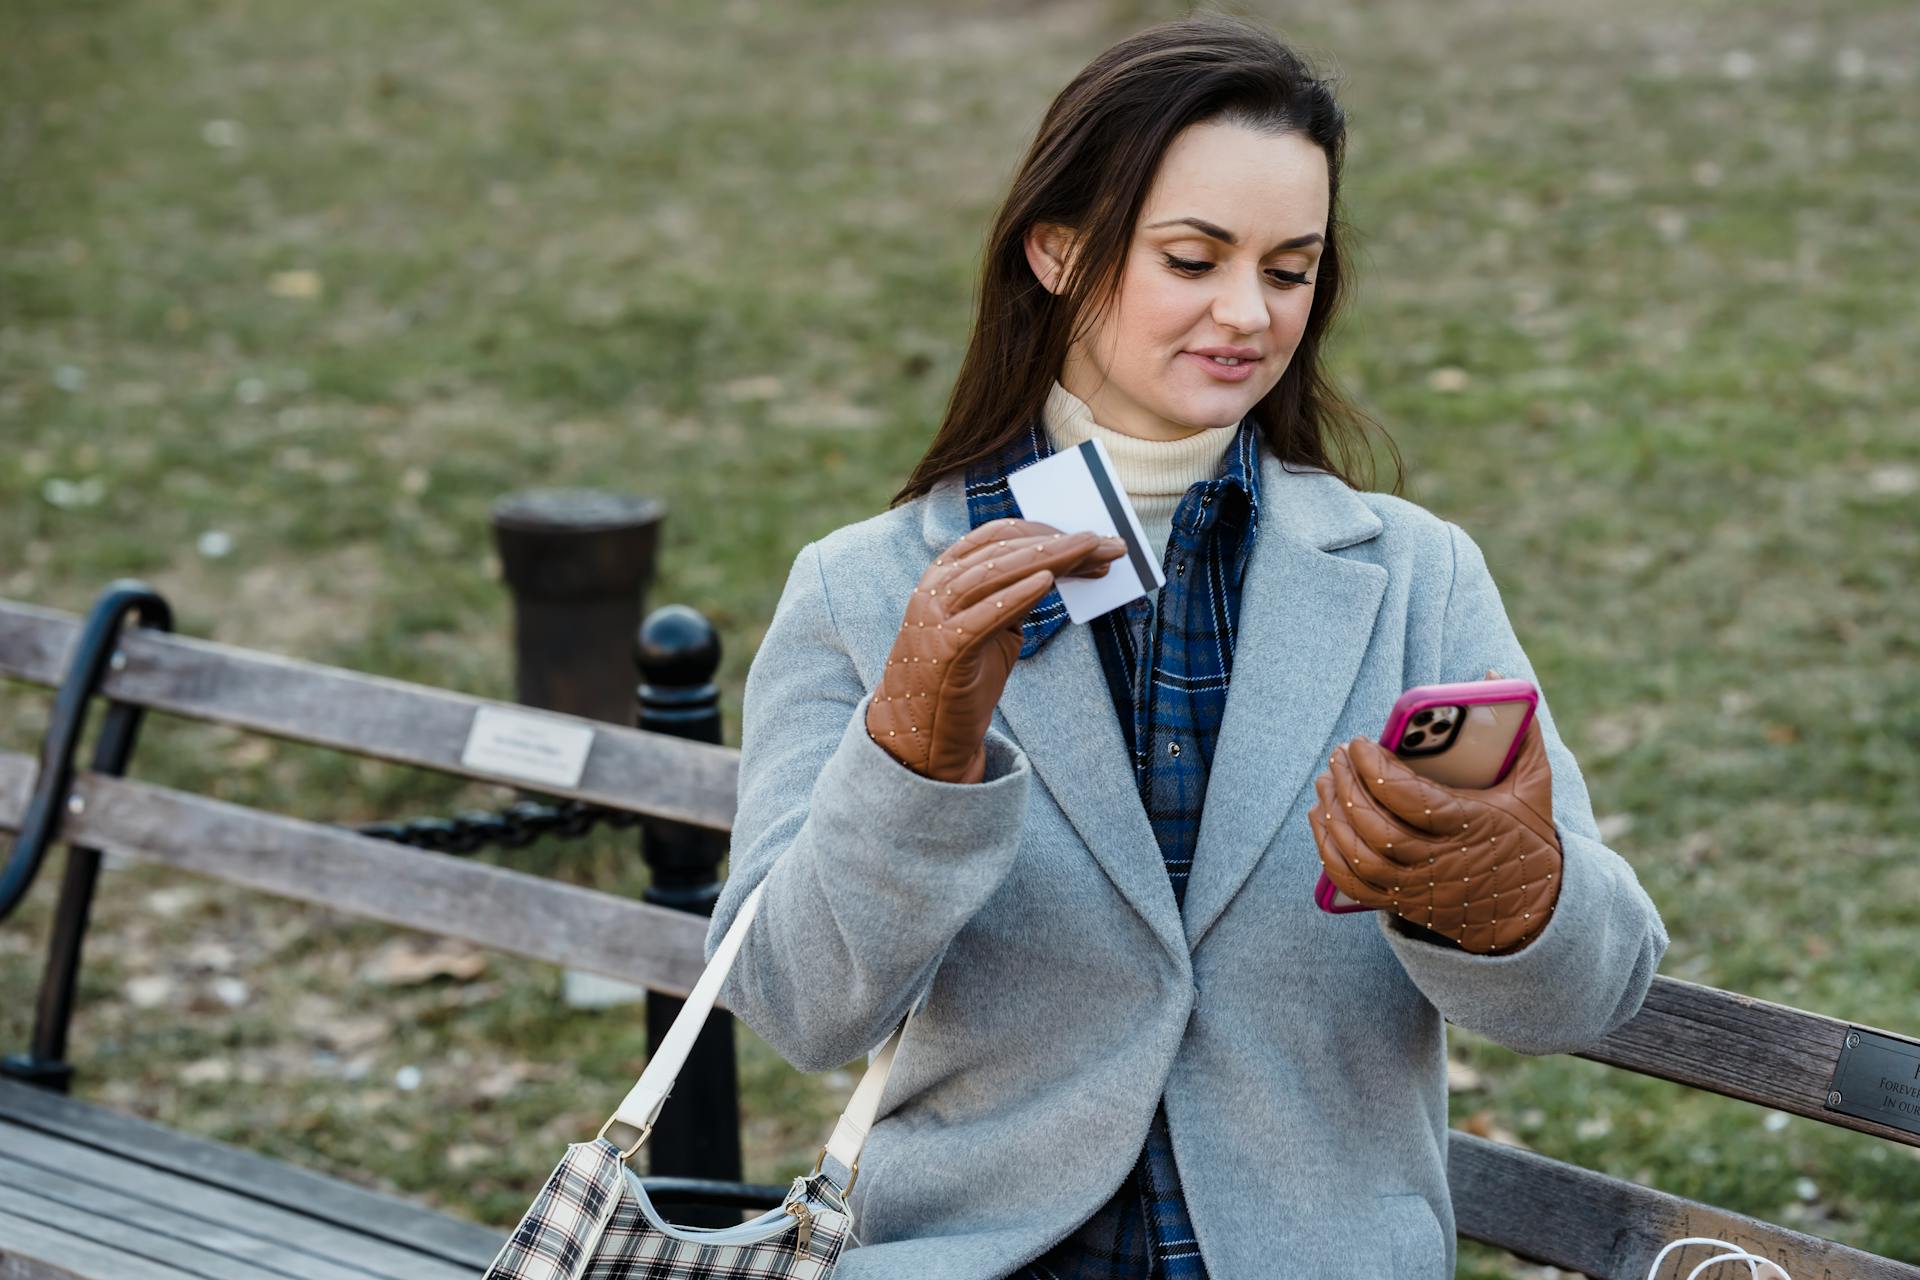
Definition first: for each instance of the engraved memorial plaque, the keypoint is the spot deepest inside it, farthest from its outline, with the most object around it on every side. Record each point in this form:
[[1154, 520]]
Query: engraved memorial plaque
[[530, 748], [1878, 1078]]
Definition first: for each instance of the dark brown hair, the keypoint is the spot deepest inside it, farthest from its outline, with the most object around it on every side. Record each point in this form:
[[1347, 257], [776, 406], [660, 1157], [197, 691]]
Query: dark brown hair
[[1089, 168]]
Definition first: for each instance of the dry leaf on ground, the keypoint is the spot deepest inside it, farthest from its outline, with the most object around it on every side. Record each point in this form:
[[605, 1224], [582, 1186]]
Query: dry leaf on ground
[[408, 962]]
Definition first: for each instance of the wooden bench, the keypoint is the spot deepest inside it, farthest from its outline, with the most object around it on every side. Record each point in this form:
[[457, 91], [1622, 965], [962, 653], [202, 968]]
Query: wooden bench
[[85, 1192]]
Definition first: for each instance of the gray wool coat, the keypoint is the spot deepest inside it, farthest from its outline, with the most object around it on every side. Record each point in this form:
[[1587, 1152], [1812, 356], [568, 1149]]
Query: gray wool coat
[[1057, 988]]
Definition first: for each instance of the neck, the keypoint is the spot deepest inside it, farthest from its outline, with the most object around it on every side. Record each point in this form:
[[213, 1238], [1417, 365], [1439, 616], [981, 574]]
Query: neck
[[1155, 473]]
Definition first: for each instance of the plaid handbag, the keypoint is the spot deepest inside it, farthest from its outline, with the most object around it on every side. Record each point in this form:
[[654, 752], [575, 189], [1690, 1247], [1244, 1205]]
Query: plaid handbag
[[593, 1220]]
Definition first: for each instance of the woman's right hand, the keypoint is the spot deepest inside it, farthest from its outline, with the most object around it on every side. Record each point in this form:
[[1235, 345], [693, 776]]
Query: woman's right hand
[[961, 637]]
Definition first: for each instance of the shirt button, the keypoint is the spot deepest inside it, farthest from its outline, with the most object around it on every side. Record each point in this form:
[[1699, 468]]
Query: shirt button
[[1173, 749], [1180, 569]]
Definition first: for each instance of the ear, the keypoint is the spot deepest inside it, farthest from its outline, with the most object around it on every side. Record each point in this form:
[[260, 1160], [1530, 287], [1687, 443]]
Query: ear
[[1050, 252]]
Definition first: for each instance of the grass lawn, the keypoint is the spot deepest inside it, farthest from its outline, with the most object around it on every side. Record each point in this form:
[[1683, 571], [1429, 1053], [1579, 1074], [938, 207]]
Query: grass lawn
[[290, 294]]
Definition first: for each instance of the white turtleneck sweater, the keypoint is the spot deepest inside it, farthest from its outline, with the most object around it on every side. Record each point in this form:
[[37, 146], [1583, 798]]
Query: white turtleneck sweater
[[1155, 473]]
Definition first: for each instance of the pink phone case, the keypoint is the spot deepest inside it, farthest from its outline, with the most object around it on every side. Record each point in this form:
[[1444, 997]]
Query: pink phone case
[[1476, 744]]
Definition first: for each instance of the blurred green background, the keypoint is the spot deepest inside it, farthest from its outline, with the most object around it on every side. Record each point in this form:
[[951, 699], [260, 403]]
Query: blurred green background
[[290, 294]]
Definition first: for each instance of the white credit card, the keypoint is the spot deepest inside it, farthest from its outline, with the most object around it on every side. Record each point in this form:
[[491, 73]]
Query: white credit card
[[1074, 491]]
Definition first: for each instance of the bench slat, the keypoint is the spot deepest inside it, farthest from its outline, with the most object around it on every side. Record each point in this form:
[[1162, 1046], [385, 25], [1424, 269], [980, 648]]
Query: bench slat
[[1573, 1218], [197, 1245], [429, 1233], [313, 1245], [367, 715], [1769, 1054], [495, 907], [31, 1250]]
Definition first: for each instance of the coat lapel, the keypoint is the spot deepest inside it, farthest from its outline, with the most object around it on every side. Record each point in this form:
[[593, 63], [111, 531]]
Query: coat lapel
[[1057, 706], [1305, 620]]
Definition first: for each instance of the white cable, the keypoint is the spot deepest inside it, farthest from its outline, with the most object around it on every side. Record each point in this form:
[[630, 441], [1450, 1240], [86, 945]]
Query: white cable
[[1737, 1255]]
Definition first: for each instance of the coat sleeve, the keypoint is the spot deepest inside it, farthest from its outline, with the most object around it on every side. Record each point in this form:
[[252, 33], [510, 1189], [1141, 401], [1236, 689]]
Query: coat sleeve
[[1589, 970], [870, 868]]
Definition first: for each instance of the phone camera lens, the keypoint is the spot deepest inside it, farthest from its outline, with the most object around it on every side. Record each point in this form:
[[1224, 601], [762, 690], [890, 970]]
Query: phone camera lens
[[1421, 717], [1413, 738]]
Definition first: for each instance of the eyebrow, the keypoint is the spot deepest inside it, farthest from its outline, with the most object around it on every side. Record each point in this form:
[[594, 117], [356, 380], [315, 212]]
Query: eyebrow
[[1222, 234]]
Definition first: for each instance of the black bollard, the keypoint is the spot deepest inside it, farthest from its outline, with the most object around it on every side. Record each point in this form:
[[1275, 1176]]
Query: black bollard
[[578, 563], [698, 1132]]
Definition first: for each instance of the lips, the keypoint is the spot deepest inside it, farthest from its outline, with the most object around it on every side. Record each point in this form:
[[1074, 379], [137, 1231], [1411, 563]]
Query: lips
[[1224, 372]]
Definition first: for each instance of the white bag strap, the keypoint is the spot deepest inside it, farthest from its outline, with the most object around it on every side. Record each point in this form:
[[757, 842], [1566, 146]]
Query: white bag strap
[[641, 1107]]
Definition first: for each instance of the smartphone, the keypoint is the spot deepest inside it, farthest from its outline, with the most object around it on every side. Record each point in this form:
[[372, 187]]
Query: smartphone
[[1461, 735]]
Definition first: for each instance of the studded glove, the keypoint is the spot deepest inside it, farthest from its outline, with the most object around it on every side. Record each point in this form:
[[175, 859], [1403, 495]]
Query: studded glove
[[1478, 866], [961, 637]]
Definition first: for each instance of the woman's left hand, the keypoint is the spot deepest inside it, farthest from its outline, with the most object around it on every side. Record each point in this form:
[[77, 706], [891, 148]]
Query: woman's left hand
[[1480, 866]]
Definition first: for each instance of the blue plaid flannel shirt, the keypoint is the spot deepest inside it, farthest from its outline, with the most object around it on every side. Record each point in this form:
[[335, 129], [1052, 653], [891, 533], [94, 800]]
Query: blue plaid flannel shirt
[[1167, 673]]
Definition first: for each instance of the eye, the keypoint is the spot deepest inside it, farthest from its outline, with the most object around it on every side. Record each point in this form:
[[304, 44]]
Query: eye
[[1285, 279]]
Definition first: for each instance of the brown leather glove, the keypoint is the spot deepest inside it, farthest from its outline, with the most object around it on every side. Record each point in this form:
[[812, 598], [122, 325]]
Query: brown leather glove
[[961, 637], [1479, 866]]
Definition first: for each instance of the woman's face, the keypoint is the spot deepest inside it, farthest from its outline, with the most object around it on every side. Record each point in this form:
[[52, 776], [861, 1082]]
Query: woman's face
[[1244, 280]]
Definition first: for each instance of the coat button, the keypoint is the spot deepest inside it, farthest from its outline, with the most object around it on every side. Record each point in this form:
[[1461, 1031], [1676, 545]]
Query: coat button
[[1173, 749]]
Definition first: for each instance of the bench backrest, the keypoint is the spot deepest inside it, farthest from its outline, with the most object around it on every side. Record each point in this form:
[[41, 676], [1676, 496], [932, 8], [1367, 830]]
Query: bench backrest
[[1538, 1208], [363, 715]]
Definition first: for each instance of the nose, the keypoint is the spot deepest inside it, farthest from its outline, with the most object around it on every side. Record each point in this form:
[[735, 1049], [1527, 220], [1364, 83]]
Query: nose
[[1240, 305]]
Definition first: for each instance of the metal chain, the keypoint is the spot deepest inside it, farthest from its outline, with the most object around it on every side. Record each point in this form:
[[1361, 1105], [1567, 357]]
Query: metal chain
[[520, 823]]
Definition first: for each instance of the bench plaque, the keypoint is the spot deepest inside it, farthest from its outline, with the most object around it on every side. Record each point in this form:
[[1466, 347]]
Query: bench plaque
[[1878, 1078], [533, 748]]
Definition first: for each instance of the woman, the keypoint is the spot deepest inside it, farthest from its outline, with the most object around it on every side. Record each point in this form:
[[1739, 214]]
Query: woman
[[1139, 1049]]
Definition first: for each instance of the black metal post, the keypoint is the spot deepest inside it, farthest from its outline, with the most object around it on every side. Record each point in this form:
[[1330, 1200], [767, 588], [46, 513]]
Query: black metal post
[[578, 563], [698, 1132]]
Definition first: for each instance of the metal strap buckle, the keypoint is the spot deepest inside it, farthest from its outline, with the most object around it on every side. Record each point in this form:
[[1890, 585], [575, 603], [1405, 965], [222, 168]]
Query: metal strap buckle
[[627, 1154], [820, 1162]]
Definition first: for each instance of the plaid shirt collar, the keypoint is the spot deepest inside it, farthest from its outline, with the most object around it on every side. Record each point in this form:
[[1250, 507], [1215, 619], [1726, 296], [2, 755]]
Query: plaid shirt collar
[[989, 498]]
